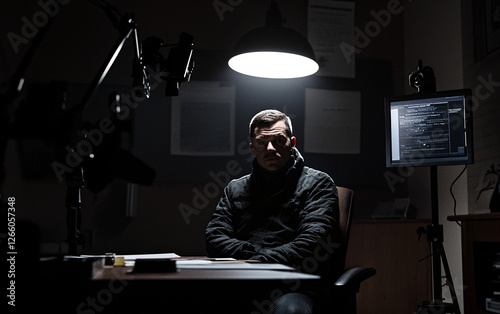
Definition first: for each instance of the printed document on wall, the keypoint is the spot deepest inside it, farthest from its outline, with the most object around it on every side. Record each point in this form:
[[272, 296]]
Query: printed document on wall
[[203, 119], [332, 121], [330, 32]]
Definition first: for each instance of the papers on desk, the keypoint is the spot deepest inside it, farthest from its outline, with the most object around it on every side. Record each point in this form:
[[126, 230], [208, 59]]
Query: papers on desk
[[130, 258], [205, 261], [201, 262], [227, 263], [133, 257]]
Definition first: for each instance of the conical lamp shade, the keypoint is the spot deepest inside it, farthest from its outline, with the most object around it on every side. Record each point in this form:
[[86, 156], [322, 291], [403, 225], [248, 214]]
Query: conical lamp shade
[[274, 52]]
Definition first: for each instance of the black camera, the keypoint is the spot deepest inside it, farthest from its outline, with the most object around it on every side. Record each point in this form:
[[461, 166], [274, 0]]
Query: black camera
[[423, 79], [174, 69]]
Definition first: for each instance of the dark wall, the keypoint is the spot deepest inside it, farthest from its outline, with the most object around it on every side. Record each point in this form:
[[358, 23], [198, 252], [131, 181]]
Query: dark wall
[[364, 170], [75, 47]]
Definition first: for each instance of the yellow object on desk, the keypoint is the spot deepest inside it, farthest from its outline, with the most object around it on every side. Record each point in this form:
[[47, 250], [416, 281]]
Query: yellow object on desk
[[119, 261]]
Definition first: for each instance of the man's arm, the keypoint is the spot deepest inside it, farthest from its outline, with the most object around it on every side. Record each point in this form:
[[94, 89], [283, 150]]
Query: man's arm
[[317, 230], [220, 236]]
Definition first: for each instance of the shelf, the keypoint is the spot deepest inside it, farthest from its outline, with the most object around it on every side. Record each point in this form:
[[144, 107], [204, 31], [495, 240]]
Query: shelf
[[480, 243], [470, 217]]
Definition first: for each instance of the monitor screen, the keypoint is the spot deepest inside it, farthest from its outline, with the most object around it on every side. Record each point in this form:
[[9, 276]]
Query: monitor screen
[[429, 129]]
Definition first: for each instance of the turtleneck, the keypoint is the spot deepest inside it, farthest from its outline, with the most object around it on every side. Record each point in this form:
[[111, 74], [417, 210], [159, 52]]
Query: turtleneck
[[272, 182]]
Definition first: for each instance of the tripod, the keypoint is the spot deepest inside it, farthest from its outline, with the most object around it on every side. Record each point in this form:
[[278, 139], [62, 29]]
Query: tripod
[[434, 234]]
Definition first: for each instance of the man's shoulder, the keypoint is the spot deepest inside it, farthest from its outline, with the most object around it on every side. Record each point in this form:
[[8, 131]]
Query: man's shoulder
[[238, 186], [311, 178], [308, 171], [241, 181]]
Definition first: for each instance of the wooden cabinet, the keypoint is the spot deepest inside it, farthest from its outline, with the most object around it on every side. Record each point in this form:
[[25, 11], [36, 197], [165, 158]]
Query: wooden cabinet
[[402, 281], [480, 243]]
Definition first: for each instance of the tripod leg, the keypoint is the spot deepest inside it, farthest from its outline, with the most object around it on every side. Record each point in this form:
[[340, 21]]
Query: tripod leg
[[449, 280]]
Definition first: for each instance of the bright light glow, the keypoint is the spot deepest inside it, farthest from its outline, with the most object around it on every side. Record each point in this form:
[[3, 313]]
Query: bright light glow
[[268, 64]]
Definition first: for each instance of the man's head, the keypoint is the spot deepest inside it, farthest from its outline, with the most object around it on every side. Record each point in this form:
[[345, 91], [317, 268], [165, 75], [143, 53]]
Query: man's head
[[271, 139]]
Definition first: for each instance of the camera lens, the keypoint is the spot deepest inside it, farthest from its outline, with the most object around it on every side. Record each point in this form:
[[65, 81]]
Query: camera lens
[[418, 80]]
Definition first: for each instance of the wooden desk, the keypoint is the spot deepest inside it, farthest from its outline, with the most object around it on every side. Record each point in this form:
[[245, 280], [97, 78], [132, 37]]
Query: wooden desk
[[217, 288], [220, 272], [480, 234]]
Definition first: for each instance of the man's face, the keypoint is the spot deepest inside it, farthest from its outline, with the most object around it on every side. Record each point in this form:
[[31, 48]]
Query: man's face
[[272, 147]]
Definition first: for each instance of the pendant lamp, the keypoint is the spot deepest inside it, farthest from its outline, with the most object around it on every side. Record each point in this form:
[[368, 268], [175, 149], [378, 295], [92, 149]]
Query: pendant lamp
[[274, 51]]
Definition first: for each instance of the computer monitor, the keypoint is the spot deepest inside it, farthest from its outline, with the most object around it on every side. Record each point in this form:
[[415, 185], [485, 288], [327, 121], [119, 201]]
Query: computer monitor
[[429, 129]]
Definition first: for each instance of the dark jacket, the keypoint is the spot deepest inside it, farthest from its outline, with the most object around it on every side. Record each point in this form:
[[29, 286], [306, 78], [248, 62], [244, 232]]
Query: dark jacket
[[290, 217]]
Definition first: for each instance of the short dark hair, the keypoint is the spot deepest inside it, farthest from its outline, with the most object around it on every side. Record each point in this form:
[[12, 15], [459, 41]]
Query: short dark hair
[[269, 117]]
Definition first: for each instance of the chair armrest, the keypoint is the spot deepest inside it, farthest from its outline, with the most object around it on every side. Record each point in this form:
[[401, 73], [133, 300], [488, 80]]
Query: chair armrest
[[352, 278]]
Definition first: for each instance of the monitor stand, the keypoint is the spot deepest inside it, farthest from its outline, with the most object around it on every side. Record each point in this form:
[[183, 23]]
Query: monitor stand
[[434, 234]]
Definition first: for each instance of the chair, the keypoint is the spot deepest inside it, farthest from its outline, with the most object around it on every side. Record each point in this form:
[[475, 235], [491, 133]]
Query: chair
[[348, 284]]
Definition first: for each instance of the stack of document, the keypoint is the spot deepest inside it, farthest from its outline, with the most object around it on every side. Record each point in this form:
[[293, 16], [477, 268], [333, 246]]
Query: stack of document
[[201, 262]]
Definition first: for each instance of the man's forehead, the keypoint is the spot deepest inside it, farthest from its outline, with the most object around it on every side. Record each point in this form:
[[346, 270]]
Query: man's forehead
[[269, 136], [278, 125], [277, 129]]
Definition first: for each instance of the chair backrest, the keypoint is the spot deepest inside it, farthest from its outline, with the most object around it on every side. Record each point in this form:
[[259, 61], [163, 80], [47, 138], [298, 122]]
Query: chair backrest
[[346, 197]]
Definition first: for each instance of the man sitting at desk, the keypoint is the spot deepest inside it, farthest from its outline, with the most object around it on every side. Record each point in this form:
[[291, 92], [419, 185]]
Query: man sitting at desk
[[283, 212]]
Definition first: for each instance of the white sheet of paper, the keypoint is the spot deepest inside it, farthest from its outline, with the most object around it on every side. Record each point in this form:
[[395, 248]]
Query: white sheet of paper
[[133, 257], [231, 265], [330, 28], [332, 121], [203, 119]]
